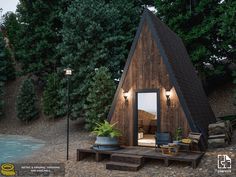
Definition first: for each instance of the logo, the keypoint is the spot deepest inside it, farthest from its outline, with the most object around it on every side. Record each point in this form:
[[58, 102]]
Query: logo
[[224, 163], [8, 169]]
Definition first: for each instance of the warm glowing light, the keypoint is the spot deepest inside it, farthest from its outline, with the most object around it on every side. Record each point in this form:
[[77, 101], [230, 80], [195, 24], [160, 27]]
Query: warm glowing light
[[68, 71], [168, 93], [126, 94]]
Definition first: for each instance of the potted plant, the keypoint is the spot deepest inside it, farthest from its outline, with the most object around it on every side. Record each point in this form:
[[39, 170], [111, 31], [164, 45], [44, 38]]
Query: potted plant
[[178, 135], [107, 136]]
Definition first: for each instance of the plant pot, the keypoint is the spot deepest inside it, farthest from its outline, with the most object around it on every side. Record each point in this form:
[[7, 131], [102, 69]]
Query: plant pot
[[176, 142], [106, 143], [103, 140]]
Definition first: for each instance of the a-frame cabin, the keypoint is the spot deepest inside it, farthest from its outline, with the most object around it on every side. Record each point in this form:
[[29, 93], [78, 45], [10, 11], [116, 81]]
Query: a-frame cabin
[[159, 89]]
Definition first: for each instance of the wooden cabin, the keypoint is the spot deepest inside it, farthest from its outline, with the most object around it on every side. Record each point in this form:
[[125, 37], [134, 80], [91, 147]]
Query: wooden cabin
[[159, 90]]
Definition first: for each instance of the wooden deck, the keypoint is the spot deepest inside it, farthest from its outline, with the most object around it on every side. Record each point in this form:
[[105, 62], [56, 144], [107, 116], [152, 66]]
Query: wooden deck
[[145, 152]]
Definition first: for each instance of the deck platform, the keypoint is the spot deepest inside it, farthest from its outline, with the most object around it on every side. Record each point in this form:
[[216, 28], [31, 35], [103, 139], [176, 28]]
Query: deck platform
[[145, 152]]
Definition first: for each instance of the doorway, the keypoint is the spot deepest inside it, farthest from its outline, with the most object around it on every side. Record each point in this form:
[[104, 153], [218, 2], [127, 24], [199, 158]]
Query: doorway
[[147, 117]]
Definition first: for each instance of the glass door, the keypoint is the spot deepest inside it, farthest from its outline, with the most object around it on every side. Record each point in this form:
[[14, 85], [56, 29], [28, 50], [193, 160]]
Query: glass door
[[146, 118]]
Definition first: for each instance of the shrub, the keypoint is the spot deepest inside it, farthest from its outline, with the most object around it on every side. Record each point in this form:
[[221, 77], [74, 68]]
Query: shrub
[[100, 96], [26, 102], [51, 99]]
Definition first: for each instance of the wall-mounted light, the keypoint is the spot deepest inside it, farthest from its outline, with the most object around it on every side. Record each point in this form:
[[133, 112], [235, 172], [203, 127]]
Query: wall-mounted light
[[125, 94], [168, 97]]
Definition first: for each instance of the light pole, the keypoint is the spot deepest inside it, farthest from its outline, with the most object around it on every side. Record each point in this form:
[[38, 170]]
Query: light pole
[[68, 73]]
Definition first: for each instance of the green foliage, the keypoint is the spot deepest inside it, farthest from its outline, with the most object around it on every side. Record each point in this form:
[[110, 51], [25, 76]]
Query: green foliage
[[106, 129], [26, 102], [207, 28], [234, 81], [7, 70], [227, 29], [101, 93], [178, 134], [95, 33], [12, 28], [51, 99], [10, 72], [2, 70], [230, 118], [3, 59], [39, 36], [1, 98]]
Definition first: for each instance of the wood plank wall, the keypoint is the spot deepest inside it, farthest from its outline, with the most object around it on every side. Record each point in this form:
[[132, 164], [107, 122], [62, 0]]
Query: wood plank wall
[[147, 71]]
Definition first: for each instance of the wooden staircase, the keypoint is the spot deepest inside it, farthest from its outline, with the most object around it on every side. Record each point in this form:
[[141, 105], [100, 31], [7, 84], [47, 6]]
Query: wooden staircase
[[124, 162]]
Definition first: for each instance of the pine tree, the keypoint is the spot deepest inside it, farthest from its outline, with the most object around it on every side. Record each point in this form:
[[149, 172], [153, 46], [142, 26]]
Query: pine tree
[[7, 70], [3, 64], [12, 28], [207, 28], [51, 99], [95, 33], [227, 29], [3, 59], [98, 102], [10, 71], [39, 36], [1, 98], [26, 102]]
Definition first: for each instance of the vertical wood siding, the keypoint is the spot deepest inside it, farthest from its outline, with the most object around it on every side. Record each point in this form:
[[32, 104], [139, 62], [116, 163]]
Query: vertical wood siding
[[147, 71]]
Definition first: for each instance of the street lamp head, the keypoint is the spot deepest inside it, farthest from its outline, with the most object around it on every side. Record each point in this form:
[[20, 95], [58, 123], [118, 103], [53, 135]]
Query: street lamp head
[[68, 71]]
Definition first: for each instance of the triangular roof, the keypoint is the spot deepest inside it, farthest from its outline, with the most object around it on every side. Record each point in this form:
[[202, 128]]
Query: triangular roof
[[181, 71]]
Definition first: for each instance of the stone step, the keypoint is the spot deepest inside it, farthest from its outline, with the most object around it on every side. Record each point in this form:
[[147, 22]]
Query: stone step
[[122, 166], [133, 159]]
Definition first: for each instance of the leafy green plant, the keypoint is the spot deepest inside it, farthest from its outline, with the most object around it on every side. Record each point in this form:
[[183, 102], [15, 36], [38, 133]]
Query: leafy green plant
[[106, 129], [178, 134]]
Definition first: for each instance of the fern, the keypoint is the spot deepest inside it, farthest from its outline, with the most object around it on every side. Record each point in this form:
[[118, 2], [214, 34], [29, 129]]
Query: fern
[[106, 129]]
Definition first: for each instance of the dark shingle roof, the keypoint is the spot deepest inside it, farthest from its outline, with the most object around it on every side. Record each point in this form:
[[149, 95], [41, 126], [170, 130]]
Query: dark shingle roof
[[183, 75]]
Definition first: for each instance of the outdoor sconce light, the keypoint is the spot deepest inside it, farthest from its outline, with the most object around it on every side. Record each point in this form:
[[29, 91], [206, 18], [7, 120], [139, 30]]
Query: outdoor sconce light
[[168, 98], [125, 94]]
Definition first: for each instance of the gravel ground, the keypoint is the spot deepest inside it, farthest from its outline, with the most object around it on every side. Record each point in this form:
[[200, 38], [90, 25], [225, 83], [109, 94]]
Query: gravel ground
[[54, 134]]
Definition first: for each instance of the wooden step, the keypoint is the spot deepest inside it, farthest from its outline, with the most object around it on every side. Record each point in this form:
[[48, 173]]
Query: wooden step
[[124, 158], [122, 166]]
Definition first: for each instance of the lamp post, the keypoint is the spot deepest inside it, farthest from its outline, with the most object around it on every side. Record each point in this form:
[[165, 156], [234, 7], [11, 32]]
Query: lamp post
[[68, 73]]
